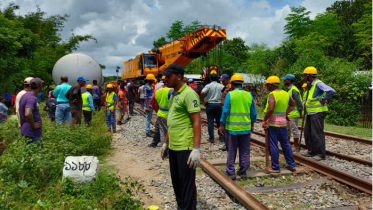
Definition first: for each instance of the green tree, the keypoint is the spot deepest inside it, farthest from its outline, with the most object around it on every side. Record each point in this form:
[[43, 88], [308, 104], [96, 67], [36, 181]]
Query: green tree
[[176, 30], [364, 35], [161, 41], [298, 22], [195, 25]]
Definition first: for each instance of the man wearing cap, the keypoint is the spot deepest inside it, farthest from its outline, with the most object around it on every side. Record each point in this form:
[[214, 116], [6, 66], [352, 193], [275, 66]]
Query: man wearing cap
[[131, 96], [76, 102], [193, 85], [316, 110], [88, 107], [224, 78], [237, 123], [212, 102], [63, 106], [183, 137], [294, 115], [30, 118], [279, 104], [26, 88]]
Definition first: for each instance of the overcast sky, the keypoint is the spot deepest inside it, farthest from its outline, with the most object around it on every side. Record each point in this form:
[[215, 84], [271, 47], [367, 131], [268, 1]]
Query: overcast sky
[[125, 28]]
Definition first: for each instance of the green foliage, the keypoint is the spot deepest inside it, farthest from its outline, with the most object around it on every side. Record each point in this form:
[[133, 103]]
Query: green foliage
[[177, 30], [30, 176], [298, 22], [161, 41], [30, 45]]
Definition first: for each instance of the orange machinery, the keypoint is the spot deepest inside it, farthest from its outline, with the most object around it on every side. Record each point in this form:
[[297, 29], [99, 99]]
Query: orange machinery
[[181, 51]]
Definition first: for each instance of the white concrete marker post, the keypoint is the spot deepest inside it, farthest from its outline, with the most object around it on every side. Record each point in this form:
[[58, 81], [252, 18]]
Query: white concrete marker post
[[81, 168]]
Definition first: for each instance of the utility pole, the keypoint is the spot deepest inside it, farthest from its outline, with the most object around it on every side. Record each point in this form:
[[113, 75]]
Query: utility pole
[[117, 71]]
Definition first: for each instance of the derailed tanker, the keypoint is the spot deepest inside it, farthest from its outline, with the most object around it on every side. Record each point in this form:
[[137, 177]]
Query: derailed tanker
[[76, 65]]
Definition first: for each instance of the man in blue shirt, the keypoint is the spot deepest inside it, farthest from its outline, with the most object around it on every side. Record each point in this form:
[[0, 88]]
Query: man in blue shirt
[[63, 108], [237, 122]]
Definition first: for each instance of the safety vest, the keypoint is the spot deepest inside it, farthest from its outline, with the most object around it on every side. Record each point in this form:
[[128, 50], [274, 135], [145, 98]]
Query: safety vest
[[313, 104], [304, 96], [110, 100], [86, 106], [281, 105], [295, 113], [239, 116], [161, 95]]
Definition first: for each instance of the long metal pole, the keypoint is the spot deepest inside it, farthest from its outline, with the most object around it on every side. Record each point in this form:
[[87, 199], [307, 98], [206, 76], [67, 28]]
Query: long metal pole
[[268, 164], [304, 117]]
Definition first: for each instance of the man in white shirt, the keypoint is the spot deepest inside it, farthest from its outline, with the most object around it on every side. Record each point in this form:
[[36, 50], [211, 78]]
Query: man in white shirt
[[26, 88]]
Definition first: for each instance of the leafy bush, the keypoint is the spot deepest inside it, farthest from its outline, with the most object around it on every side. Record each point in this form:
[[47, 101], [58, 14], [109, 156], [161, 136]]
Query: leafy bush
[[30, 176]]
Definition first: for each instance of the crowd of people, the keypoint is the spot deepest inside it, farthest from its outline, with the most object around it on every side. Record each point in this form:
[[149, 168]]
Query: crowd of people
[[177, 104]]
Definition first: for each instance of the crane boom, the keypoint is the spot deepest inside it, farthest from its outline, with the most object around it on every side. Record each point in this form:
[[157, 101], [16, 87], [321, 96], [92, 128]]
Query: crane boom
[[181, 51]]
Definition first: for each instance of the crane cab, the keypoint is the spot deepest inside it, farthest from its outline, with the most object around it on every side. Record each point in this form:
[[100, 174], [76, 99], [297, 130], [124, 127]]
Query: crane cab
[[142, 65]]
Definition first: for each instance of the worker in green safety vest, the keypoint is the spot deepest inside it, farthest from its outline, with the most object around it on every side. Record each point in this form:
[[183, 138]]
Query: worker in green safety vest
[[316, 110], [279, 104], [88, 107], [159, 102], [236, 124], [110, 105], [296, 113]]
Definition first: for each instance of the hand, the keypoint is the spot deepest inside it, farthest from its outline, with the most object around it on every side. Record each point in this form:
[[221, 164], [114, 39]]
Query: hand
[[222, 129], [147, 109], [164, 150], [194, 159], [37, 125], [287, 118], [112, 111], [205, 103], [301, 115], [94, 113], [265, 125], [323, 102], [75, 100]]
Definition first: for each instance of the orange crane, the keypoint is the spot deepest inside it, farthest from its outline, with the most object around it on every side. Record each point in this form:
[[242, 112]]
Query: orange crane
[[181, 51]]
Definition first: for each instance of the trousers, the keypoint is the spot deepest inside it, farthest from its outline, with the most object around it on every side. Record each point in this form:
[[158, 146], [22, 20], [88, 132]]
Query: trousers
[[276, 134], [292, 127], [314, 134], [63, 114], [76, 116], [213, 112], [142, 102], [122, 111], [110, 120], [87, 117], [97, 104], [183, 180], [148, 119], [161, 128], [131, 104], [243, 144]]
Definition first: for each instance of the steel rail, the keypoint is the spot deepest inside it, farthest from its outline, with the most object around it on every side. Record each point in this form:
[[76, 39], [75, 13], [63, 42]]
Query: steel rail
[[341, 136], [245, 198], [338, 155], [340, 176]]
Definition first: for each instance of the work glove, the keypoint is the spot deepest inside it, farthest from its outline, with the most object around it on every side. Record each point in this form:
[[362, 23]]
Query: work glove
[[164, 150], [194, 158]]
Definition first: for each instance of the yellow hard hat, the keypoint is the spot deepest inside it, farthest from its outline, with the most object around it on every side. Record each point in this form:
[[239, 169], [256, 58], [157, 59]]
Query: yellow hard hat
[[109, 86], [153, 207], [89, 86], [273, 79], [150, 77], [304, 85], [163, 77], [237, 78], [310, 70]]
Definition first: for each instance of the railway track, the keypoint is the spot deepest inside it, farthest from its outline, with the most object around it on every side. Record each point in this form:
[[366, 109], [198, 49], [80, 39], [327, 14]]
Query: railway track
[[247, 200]]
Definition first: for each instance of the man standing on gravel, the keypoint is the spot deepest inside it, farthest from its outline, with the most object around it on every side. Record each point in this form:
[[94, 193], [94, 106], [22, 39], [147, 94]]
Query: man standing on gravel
[[296, 114], [316, 110], [212, 102], [131, 96], [148, 92], [238, 118], [183, 137], [279, 104]]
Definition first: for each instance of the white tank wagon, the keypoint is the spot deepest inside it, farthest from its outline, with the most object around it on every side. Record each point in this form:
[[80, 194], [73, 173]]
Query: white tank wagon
[[76, 65]]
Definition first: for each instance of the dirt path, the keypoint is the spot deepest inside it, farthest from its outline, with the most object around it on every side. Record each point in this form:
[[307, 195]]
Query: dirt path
[[127, 164]]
